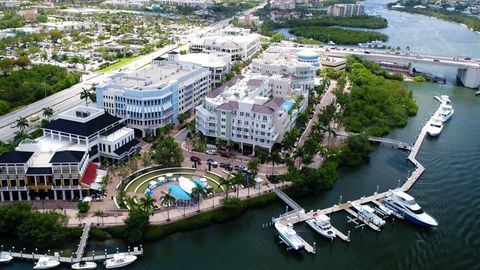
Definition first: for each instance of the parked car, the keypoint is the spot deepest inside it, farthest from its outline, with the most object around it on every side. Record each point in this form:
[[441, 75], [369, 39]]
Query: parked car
[[226, 166], [211, 151], [196, 159], [212, 162], [224, 153], [238, 168]]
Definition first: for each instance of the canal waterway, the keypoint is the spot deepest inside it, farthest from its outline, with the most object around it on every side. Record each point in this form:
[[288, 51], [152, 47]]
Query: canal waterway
[[449, 190]]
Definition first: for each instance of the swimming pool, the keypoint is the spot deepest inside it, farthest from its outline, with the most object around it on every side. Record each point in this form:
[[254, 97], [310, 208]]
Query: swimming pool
[[287, 105], [178, 193]]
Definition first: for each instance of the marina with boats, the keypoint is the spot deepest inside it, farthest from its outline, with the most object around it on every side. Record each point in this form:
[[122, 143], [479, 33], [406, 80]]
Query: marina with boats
[[371, 211]]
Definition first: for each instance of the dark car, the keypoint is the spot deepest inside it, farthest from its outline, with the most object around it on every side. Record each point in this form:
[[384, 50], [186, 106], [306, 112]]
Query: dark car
[[212, 162], [226, 166], [239, 168], [196, 159]]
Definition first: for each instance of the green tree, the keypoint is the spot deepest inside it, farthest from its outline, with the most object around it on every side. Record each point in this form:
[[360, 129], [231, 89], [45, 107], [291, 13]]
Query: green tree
[[48, 112], [168, 200], [23, 62], [289, 139], [198, 193], [168, 152], [98, 214], [253, 165], [277, 37], [43, 230], [147, 204], [275, 158], [6, 66], [136, 224], [83, 207], [225, 183], [182, 117], [22, 123]]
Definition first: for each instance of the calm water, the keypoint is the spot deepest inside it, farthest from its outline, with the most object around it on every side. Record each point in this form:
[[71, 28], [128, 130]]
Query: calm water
[[449, 190]]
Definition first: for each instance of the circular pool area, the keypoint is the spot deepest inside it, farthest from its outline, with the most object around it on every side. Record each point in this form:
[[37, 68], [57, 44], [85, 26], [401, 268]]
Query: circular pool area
[[157, 182]]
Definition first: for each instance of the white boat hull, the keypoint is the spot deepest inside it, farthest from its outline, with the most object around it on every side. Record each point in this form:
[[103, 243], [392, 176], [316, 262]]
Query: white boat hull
[[87, 265], [6, 259], [50, 265], [111, 264], [324, 233]]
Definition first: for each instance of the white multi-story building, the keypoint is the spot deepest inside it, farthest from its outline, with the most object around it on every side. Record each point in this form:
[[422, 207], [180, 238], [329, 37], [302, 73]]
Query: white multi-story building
[[301, 65], [153, 97], [186, 3], [346, 10], [219, 64], [252, 110], [61, 165], [240, 47], [283, 4]]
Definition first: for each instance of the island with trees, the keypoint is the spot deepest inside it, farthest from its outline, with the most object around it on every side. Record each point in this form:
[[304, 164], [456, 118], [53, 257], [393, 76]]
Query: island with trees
[[337, 35]]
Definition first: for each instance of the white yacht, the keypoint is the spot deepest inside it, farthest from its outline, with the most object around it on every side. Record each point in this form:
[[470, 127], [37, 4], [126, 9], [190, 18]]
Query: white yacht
[[5, 257], [321, 224], [84, 265], [288, 235], [445, 99], [367, 213], [434, 126], [46, 262], [120, 260], [405, 205], [444, 112]]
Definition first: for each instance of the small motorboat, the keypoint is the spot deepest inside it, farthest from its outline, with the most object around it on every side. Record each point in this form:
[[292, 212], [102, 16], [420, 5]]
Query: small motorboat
[[434, 126], [46, 262], [5, 257], [120, 260], [445, 99], [84, 265], [288, 235], [321, 224]]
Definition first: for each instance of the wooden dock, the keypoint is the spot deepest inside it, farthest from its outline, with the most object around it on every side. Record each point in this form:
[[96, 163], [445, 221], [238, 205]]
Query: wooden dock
[[299, 214], [83, 241], [362, 219], [71, 260], [340, 235]]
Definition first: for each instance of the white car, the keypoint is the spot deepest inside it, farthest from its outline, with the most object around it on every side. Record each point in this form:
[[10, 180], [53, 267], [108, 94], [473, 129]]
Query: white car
[[211, 151]]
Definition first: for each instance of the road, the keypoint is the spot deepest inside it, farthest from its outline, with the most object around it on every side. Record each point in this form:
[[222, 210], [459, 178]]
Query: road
[[70, 97]]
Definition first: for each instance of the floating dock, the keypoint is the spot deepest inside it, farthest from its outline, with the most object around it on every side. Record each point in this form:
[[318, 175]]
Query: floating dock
[[138, 251], [298, 214]]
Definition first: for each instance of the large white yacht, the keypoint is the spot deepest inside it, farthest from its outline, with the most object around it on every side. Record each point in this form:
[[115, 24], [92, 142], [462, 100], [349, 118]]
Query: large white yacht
[[367, 213], [321, 224], [405, 205], [288, 235], [46, 262], [444, 112], [5, 257], [120, 260], [434, 126]]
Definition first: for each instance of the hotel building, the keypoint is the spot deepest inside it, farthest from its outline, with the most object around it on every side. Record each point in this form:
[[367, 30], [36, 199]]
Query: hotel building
[[252, 110], [62, 164]]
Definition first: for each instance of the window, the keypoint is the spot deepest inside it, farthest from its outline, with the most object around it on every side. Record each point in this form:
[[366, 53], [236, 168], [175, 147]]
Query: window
[[241, 113], [247, 114]]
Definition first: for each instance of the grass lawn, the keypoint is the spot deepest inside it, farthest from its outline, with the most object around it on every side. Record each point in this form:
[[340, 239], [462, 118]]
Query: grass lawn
[[118, 64]]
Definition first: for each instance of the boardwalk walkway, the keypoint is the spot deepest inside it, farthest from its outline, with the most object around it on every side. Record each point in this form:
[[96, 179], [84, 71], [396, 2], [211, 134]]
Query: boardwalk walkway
[[83, 241], [294, 205], [299, 215]]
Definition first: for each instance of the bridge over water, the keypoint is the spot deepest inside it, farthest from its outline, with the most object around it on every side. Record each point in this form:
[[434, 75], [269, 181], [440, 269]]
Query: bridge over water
[[468, 70]]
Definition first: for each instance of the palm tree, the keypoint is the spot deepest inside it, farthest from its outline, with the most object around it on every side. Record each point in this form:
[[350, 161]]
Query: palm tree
[[48, 112], [168, 200], [226, 183], [98, 213], [253, 165], [85, 94], [130, 202], [22, 123], [237, 180], [331, 131], [274, 157], [198, 192], [147, 204]]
